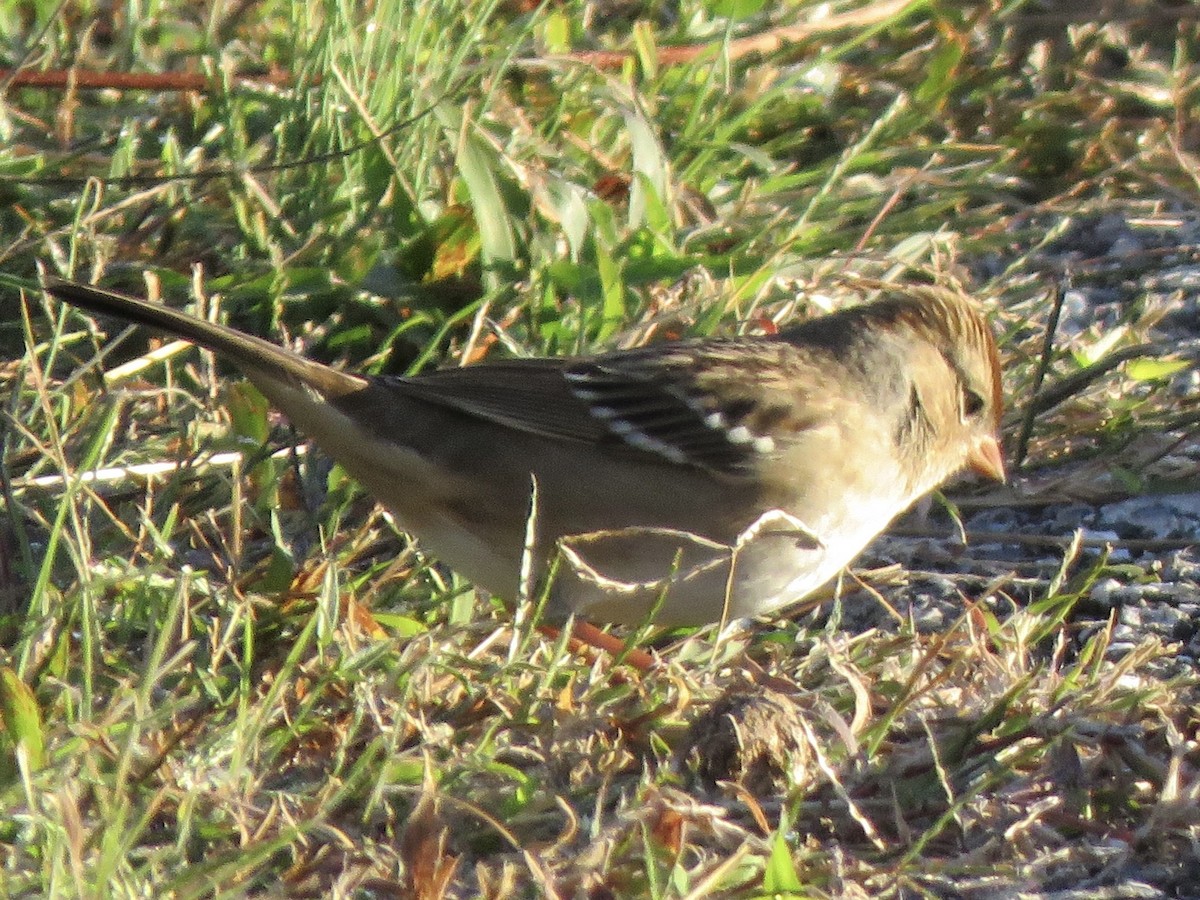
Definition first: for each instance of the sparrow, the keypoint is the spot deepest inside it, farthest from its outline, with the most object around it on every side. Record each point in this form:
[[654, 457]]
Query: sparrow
[[685, 483]]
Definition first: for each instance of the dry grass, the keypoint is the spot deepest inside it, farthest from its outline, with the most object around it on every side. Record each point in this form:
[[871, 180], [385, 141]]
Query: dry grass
[[225, 673]]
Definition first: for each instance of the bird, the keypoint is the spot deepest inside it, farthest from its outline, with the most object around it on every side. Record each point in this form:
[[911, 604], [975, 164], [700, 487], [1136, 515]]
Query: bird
[[681, 483]]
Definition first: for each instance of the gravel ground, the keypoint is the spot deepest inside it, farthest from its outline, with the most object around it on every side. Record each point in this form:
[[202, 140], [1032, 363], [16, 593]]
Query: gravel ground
[[1135, 269]]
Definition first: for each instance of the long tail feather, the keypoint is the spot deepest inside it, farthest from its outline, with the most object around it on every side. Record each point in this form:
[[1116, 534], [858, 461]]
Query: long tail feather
[[250, 353]]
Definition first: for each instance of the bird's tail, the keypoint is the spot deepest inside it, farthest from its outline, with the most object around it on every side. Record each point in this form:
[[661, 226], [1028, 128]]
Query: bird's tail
[[251, 354]]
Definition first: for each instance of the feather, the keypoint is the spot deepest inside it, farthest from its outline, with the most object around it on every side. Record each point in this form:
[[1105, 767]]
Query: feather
[[690, 404]]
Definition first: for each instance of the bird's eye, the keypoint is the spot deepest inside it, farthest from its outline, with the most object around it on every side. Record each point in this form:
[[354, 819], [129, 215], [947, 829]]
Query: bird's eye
[[972, 404]]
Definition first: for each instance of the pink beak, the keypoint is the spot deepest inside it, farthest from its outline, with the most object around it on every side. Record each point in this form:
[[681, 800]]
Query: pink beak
[[986, 459]]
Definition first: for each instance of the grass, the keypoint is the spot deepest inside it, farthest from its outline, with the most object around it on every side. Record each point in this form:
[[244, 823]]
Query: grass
[[237, 678]]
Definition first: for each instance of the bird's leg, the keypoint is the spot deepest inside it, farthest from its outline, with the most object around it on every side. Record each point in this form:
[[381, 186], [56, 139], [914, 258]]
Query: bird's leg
[[586, 634]]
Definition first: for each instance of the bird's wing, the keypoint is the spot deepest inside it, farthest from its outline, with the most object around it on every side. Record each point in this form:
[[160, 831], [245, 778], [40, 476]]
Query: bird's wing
[[717, 405], [530, 395]]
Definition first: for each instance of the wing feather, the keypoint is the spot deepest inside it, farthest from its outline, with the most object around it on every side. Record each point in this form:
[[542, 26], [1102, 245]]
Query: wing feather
[[717, 405]]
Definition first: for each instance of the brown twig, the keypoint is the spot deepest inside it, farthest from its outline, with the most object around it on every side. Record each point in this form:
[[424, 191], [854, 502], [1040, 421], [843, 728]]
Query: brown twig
[[1039, 376], [1136, 545], [764, 43], [1071, 385], [85, 79]]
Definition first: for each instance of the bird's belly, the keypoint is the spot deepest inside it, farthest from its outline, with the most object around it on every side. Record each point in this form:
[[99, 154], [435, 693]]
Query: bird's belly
[[606, 572], [708, 584], [623, 576]]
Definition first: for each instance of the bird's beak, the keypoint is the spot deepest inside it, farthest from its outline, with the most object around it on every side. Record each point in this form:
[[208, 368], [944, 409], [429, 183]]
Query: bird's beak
[[986, 459]]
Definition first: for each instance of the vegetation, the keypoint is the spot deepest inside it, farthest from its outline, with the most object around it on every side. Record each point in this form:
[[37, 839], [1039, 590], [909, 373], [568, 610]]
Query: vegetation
[[223, 672]]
